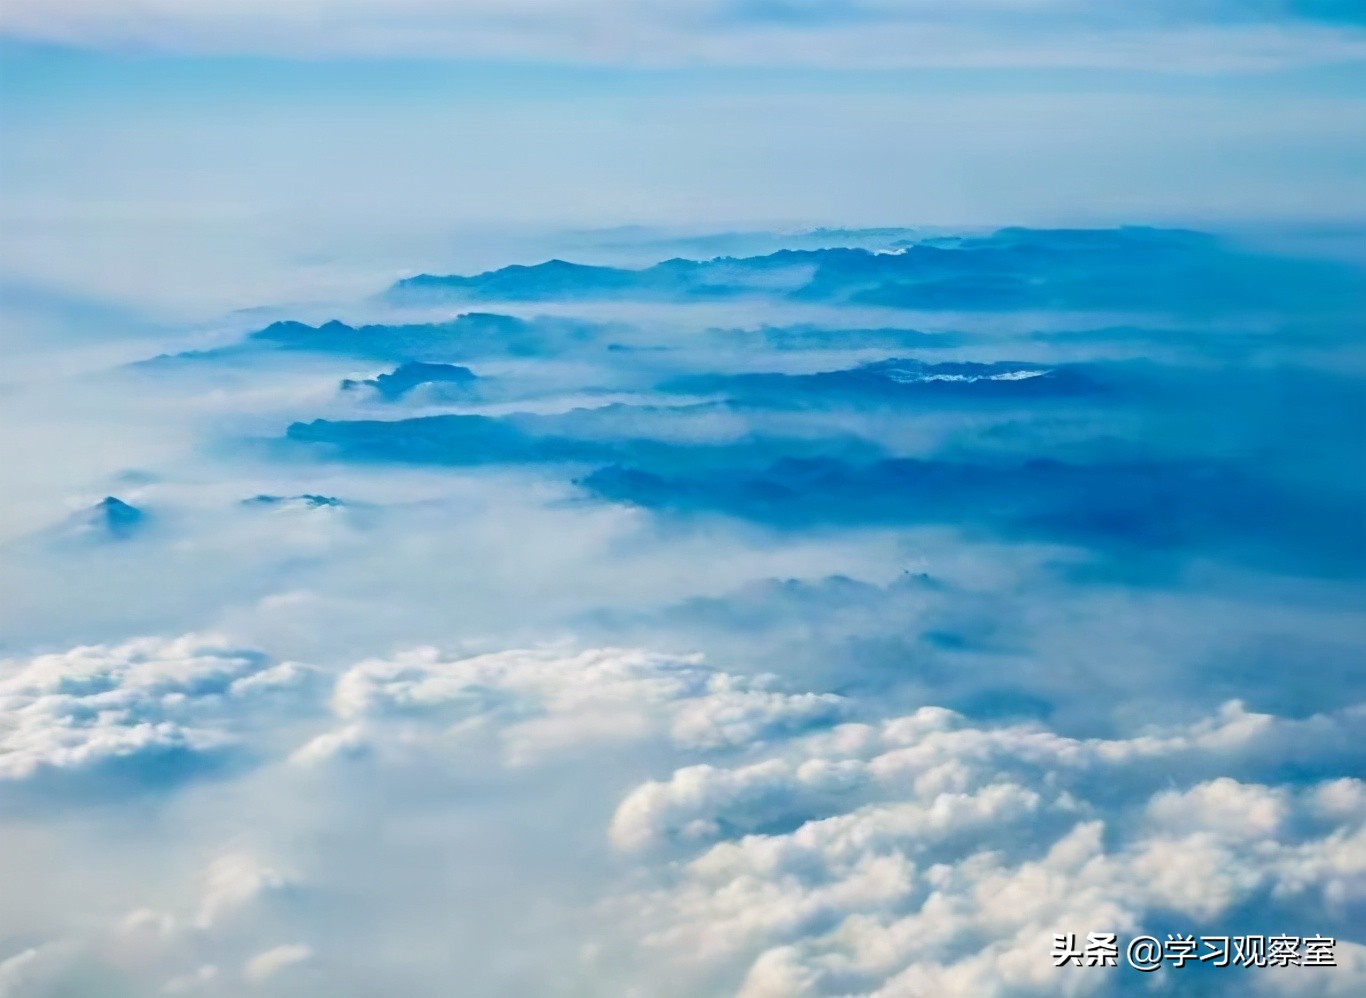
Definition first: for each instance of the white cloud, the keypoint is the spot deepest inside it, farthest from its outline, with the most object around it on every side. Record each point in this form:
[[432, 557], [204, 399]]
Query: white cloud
[[545, 700], [31, 968], [864, 34], [1344, 981], [227, 912], [1226, 806], [265, 965], [351, 741], [235, 881], [139, 700], [935, 751], [922, 853], [930, 856], [200, 979]]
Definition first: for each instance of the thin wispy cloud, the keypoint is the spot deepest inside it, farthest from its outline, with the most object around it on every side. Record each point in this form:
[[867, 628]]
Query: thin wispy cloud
[[1199, 37]]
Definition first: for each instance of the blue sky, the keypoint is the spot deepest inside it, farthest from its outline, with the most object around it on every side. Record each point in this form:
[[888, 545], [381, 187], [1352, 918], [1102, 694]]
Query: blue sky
[[378, 129]]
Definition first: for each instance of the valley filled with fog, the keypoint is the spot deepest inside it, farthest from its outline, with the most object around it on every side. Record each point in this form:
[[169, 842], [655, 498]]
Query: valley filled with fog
[[828, 612]]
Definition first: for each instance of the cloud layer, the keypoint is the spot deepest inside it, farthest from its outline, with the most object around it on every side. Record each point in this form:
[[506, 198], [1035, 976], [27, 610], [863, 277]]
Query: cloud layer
[[1240, 34], [928, 855], [790, 852], [155, 708], [842, 620]]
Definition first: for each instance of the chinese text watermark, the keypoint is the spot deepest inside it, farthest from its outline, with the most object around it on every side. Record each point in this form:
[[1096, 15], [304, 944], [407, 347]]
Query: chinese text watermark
[[1148, 953]]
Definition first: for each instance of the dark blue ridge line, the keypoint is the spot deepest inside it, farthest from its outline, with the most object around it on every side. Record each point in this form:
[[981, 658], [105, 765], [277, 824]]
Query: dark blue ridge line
[[1144, 505], [814, 337], [404, 378], [472, 334], [311, 500], [907, 382], [472, 440], [1136, 268]]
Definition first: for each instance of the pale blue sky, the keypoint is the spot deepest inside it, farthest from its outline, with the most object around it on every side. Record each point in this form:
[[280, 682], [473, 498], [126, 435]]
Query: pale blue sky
[[236, 152]]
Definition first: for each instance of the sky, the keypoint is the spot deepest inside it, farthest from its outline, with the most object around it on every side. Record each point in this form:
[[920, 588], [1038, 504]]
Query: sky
[[362, 136], [777, 498]]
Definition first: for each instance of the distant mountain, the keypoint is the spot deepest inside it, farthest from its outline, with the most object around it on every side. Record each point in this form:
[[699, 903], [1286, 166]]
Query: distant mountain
[[558, 280], [387, 340], [807, 336], [474, 334], [406, 377], [1141, 506], [554, 279], [110, 518], [900, 382], [307, 501], [639, 239], [470, 335], [616, 433], [1131, 268], [1011, 268]]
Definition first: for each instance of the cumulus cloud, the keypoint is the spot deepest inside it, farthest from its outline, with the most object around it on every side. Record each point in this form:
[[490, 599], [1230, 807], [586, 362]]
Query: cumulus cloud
[[935, 751], [132, 704], [927, 855], [1241, 33], [791, 851], [544, 700]]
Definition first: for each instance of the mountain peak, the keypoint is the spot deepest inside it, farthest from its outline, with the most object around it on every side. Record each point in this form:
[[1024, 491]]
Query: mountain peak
[[113, 517]]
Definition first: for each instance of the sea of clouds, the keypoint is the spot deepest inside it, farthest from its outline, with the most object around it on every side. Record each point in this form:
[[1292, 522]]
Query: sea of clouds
[[842, 612]]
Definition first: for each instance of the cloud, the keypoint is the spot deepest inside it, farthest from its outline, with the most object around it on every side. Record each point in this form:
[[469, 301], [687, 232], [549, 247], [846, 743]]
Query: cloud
[[31, 967], [788, 850], [870, 33], [925, 854], [264, 966], [152, 709], [935, 751], [961, 690], [545, 701], [188, 948], [235, 881]]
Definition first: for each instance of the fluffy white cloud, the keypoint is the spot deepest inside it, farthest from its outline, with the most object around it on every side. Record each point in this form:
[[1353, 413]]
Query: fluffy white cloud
[[728, 32], [794, 853], [926, 855], [936, 752], [545, 700], [140, 700], [265, 965]]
